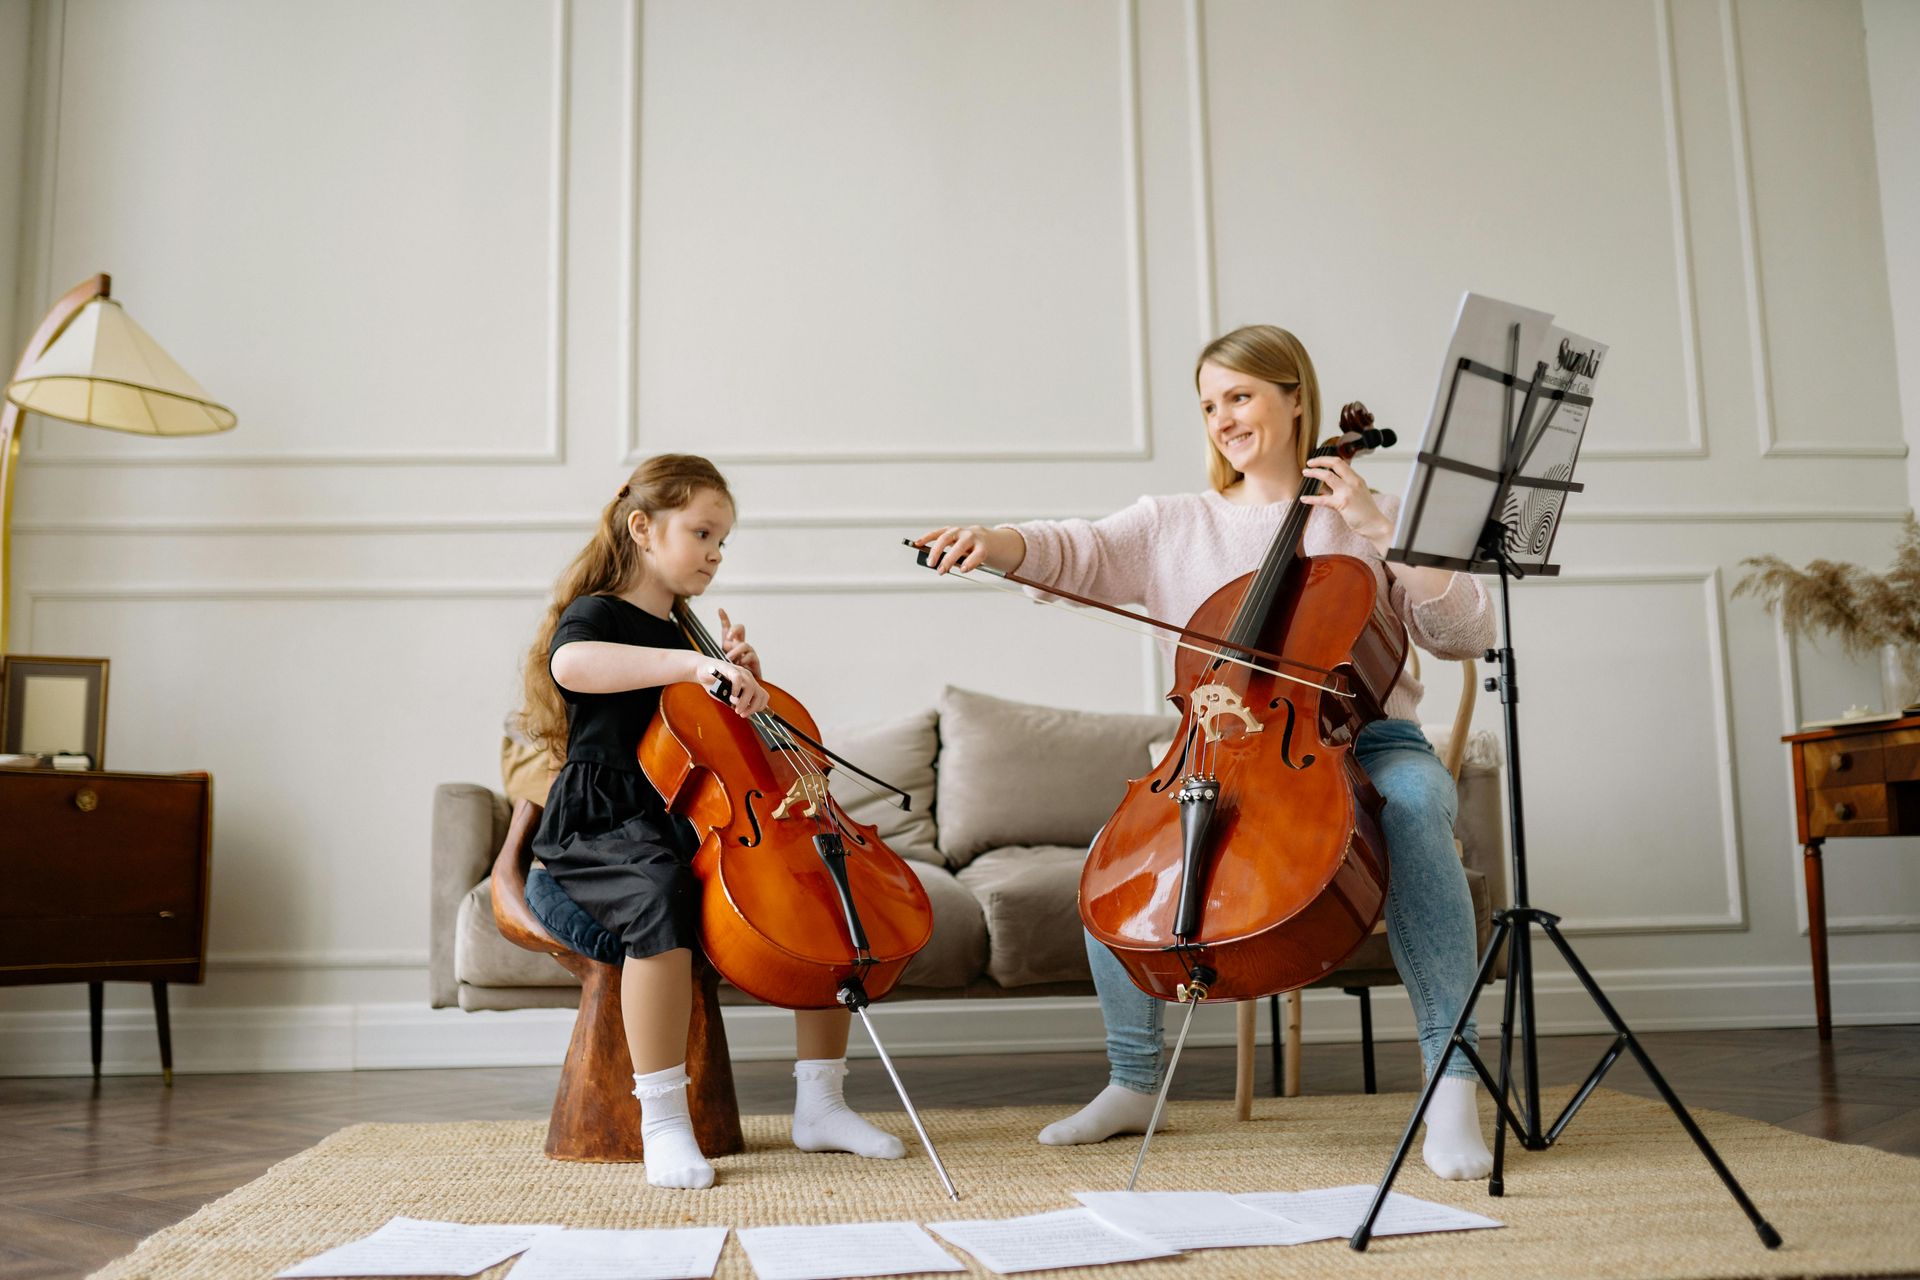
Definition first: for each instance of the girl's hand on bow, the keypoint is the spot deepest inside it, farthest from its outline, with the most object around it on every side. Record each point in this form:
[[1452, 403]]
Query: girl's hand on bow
[[1344, 491], [733, 643], [744, 694]]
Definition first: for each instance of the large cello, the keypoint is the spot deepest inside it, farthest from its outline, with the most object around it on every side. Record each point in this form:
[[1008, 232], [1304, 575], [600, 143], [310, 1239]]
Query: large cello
[[1250, 861], [800, 906]]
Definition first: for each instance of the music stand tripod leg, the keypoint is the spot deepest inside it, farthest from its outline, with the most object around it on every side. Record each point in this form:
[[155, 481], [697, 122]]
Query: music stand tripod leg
[[1456, 1043], [1768, 1236]]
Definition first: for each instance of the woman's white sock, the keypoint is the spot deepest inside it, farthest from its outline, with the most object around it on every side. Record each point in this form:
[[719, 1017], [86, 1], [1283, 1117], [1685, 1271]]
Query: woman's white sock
[[672, 1154], [822, 1120], [1454, 1148], [1114, 1110]]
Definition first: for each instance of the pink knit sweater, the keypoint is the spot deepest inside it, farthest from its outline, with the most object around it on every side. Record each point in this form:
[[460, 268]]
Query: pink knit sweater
[[1168, 554]]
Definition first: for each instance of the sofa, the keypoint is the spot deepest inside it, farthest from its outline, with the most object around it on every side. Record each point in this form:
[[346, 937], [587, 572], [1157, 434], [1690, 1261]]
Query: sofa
[[1006, 798]]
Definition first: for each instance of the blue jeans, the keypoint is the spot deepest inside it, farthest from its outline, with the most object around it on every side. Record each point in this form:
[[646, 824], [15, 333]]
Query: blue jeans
[[1429, 914]]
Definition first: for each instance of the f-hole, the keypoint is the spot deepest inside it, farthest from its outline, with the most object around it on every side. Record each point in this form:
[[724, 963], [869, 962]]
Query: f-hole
[[754, 818], [1286, 736]]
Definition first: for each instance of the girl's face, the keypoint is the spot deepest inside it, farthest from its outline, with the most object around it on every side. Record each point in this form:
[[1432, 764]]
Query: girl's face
[[682, 548], [1250, 420]]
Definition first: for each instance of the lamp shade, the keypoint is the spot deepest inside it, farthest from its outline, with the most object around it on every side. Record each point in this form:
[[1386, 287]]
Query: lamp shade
[[105, 371]]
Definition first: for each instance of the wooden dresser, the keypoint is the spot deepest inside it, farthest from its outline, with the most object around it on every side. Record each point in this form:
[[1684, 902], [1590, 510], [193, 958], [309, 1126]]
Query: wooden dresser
[[1861, 780], [106, 881]]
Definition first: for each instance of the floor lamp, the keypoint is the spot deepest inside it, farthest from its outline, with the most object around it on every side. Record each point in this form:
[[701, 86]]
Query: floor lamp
[[89, 363]]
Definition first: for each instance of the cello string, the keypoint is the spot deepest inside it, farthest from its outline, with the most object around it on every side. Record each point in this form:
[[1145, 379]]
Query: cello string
[[775, 735]]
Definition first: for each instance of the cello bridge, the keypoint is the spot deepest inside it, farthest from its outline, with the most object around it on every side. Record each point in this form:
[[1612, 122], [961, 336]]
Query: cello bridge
[[1214, 704], [809, 790]]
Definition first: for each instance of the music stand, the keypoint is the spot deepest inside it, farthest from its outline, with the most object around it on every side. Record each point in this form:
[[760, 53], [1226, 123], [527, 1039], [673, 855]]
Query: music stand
[[1485, 498]]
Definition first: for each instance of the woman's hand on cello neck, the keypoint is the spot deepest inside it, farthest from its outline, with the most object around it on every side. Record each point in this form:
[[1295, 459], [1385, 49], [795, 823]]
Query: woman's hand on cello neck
[[1342, 489], [966, 547]]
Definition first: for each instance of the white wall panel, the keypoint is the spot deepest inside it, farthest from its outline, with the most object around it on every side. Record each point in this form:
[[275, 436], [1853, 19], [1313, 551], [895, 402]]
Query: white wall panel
[[885, 231], [1816, 211], [362, 201], [1629, 830], [1384, 131]]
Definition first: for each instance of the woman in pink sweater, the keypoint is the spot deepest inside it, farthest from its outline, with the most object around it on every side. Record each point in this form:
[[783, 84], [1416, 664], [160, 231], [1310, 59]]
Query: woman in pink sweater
[[1260, 402]]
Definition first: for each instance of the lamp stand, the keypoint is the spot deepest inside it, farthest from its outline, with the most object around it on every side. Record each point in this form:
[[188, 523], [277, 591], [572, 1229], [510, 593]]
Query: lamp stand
[[52, 325]]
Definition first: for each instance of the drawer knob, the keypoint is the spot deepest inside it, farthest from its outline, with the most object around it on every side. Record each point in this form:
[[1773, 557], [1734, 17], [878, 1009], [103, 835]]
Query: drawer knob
[[166, 915], [1843, 811], [86, 800], [1842, 761]]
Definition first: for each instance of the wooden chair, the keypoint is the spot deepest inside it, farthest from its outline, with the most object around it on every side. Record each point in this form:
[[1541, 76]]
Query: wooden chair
[[1286, 1040], [595, 1116]]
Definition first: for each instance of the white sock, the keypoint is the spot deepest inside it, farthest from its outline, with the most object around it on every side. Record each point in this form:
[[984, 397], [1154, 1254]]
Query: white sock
[[1454, 1148], [672, 1153], [1114, 1110], [822, 1120]]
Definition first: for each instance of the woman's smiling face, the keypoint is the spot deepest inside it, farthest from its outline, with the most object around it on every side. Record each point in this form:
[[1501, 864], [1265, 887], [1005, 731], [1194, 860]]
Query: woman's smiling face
[[1250, 420]]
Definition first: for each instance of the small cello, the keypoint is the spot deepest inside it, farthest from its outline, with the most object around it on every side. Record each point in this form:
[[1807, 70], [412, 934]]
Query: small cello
[[801, 907]]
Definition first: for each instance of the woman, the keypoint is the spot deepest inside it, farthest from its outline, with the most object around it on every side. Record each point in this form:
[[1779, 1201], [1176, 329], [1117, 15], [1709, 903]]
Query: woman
[[1260, 403]]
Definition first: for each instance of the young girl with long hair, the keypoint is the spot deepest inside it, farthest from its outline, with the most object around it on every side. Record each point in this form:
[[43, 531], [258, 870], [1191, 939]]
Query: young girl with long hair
[[593, 678], [1260, 405]]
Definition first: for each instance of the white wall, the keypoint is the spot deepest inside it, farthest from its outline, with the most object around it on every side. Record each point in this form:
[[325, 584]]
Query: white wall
[[1893, 55], [457, 264]]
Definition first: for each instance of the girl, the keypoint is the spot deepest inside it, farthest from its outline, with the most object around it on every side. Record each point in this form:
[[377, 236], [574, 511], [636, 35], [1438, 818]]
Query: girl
[[593, 681], [1260, 402]]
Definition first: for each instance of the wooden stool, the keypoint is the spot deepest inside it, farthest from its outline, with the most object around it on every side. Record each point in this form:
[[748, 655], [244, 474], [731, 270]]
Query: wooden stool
[[595, 1115]]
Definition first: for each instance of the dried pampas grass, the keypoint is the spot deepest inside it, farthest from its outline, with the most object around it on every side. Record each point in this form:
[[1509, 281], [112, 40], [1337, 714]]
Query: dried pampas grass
[[1863, 610]]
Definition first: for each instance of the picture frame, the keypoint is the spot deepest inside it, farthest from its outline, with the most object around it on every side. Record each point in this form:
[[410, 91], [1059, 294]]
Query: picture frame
[[54, 706]]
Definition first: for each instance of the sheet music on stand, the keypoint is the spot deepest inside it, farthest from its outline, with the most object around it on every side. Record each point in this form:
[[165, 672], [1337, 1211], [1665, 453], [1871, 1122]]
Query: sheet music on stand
[[1503, 437]]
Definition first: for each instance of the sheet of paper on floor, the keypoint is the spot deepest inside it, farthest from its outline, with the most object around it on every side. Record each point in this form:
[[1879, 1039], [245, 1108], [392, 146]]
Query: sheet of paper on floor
[[843, 1249], [673, 1253], [1337, 1211], [1194, 1219], [418, 1247], [1048, 1241]]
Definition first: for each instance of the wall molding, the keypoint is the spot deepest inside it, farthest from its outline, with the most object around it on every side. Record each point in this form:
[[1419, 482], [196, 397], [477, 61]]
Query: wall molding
[[535, 522], [1140, 442], [1734, 918], [552, 451], [344, 1037], [1771, 446], [1695, 445]]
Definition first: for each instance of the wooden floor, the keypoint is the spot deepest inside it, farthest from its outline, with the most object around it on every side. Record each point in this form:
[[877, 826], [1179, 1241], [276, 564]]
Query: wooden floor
[[86, 1171]]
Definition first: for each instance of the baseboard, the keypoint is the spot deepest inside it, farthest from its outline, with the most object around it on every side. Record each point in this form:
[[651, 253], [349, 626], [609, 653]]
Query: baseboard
[[383, 1036]]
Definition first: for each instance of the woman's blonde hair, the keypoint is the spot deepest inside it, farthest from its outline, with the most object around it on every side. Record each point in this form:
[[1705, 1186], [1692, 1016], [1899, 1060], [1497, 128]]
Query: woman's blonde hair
[[607, 565], [1273, 355]]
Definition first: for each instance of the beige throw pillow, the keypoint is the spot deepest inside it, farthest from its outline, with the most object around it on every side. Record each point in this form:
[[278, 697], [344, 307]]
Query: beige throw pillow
[[900, 752], [1014, 773]]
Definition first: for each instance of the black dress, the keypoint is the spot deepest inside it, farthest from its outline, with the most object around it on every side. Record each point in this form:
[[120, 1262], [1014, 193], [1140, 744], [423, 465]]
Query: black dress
[[606, 836]]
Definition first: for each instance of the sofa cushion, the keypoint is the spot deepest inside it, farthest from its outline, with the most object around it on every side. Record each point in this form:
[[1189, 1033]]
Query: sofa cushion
[[1030, 896], [1016, 774], [901, 752], [482, 958], [957, 952]]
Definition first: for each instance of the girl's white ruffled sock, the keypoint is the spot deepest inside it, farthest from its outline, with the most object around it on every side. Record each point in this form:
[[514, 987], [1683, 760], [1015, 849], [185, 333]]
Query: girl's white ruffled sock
[[672, 1153], [822, 1120]]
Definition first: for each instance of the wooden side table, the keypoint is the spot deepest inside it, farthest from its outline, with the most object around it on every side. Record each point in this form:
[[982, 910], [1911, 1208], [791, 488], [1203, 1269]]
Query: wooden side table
[[105, 879], [1850, 781]]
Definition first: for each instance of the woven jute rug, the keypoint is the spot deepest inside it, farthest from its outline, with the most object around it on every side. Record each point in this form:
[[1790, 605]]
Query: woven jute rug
[[1624, 1193]]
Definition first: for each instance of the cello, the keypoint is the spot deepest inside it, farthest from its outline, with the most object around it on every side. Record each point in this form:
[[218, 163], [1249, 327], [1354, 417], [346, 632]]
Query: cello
[[1249, 860], [801, 907]]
